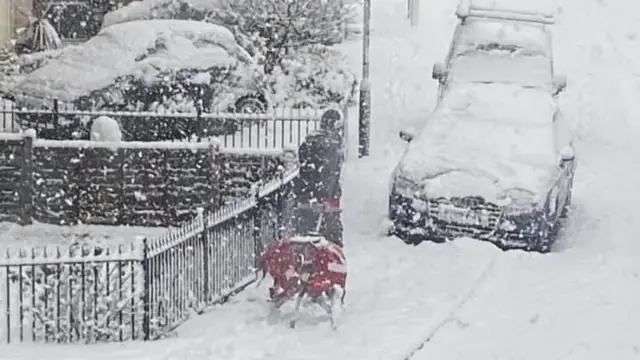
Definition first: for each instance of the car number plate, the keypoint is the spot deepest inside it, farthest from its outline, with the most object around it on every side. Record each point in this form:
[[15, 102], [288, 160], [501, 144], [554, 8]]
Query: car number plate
[[455, 215]]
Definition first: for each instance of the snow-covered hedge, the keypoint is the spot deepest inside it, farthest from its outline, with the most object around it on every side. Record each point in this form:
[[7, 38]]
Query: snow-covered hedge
[[313, 76]]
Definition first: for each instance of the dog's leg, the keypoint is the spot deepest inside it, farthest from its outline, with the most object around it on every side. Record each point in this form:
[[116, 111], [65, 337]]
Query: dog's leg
[[277, 304], [296, 310], [274, 309], [328, 307], [264, 275], [344, 293]]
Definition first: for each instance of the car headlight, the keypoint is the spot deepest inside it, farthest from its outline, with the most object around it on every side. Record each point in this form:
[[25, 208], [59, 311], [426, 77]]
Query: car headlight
[[517, 201], [406, 187]]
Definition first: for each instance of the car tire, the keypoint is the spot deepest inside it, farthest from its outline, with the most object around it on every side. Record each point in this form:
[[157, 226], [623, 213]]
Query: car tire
[[547, 235], [251, 104], [565, 210], [391, 210]]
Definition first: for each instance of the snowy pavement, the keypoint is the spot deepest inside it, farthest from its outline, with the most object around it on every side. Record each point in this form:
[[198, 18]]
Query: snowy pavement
[[465, 299]]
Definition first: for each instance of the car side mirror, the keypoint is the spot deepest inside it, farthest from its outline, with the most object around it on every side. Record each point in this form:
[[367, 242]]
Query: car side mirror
[[567, 154], [438, 71], [406, 135], [559, 84]]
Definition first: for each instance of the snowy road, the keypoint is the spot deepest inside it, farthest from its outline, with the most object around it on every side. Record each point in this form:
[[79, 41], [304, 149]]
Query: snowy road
[[581, 302], [469, 299]]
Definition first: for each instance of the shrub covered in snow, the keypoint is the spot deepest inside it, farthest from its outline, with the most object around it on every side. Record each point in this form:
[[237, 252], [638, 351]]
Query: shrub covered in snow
[[271, 29], [313, 76]]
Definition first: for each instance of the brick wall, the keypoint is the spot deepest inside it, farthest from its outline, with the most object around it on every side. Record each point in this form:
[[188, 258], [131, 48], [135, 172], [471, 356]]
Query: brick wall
[[136, 184]]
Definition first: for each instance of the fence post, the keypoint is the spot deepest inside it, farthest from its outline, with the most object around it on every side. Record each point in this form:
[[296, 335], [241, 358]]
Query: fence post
[[258, 246], [280, 213], [26, 196], [345, 130], [122, 217], [55, 114], [215, 177], [205, 255], [199, 124], [146, 321], [414, 12]]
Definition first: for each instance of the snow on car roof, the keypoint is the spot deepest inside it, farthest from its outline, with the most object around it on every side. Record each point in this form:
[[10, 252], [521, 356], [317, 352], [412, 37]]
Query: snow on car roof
[[503, 130], [155, 9], [526, 71], [480, 34], [124, 49]]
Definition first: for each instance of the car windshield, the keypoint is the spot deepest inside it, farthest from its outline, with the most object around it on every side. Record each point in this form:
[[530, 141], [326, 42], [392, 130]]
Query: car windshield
[[498, 63]]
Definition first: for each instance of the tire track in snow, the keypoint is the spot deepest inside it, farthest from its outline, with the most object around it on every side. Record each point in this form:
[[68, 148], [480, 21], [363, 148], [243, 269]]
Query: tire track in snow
[[451, 314]]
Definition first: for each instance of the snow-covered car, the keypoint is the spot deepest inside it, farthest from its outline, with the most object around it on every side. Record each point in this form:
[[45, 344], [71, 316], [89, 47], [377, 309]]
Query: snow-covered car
[[311, 74], [150, 65], [494, 160]]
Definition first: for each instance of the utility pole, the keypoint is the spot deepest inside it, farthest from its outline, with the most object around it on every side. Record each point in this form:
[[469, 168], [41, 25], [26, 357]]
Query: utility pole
[[364, 119], [414, 12]]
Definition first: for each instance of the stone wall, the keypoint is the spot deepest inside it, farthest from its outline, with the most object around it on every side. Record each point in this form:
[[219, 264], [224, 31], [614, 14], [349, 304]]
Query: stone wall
[[135, 184]]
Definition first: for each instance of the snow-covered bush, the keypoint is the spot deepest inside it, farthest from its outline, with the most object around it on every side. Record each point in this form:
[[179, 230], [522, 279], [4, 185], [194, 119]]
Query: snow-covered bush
[[105, 128], [270, 29], [313, 76]]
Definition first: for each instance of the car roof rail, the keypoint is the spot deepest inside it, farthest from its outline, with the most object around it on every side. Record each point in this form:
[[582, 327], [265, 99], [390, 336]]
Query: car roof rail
[[467, 10]]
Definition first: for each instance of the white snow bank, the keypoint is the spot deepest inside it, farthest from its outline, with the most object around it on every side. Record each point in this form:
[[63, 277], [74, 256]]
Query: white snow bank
[[501, 132], [143, 48], [155, 9], [105, 128]]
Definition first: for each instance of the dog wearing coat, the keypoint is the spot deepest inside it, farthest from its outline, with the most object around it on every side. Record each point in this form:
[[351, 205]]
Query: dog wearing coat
[[305, 266]]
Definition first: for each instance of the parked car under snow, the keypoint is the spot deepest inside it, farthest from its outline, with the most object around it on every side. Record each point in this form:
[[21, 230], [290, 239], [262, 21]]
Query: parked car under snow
[[494, 160], [155, 66]]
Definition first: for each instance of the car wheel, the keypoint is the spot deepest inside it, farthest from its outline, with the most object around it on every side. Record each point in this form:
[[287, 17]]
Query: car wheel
[[391, 210], [251, 104], [565, 210], [546, 236]]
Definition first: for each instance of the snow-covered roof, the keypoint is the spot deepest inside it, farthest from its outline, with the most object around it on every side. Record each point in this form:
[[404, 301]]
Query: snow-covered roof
[[142, 48], [500, 132], [155, 9]]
